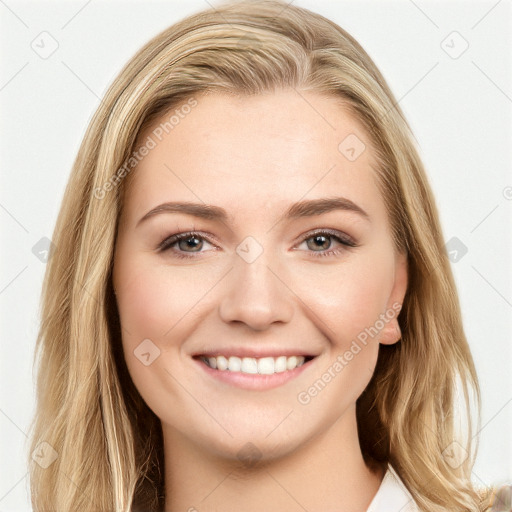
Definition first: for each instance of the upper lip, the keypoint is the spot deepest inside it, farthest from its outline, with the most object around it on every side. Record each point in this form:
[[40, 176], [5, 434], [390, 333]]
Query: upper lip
[[255, 352]]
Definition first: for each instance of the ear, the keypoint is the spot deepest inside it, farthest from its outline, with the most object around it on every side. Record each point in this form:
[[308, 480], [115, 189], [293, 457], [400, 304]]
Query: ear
[[391, 333]]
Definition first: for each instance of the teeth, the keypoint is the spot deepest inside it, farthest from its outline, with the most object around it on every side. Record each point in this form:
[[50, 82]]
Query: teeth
[[252, 365], [249, 365], [234, 364], [280, 364], [222, 363], [266, 365], [291, 363]]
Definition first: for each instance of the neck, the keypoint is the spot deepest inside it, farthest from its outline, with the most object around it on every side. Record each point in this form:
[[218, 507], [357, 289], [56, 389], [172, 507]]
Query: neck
[[325, 473]]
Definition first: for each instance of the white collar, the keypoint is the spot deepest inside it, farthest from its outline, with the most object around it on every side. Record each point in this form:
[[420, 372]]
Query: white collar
[[392, 495]]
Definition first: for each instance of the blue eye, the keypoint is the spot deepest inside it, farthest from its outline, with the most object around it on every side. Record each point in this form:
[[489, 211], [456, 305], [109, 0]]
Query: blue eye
[[195, 241]]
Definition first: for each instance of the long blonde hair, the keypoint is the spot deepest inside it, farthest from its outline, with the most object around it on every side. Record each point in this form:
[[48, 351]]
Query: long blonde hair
[[104, 443]]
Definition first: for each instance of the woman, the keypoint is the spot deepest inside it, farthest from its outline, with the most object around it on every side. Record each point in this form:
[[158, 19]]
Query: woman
[[200, 348]]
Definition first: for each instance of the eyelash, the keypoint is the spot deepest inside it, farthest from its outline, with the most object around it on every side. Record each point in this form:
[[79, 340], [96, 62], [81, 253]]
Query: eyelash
[[345, 240]]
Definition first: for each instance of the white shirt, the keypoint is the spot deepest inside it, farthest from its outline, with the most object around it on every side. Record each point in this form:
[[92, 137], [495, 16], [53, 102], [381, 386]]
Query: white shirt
[[392, 495]]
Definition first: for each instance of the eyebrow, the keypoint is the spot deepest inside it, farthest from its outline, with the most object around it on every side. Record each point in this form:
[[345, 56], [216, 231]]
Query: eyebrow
[[306, 208]]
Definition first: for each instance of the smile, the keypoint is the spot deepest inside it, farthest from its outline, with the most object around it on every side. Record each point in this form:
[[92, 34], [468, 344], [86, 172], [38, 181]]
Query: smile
[[253, 365], [253, 373]]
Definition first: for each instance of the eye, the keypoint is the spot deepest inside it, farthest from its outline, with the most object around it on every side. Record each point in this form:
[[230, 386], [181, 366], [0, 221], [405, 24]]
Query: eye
[[320, 240], [191, 240]]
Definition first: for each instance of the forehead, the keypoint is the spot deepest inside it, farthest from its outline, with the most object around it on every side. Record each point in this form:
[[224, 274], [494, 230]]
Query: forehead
[[254, 154]]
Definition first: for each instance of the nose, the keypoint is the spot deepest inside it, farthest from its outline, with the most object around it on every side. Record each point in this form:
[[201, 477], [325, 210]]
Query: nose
[[256, 294]]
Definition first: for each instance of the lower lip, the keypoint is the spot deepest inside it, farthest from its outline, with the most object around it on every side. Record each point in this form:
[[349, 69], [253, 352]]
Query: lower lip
[[254, 381]]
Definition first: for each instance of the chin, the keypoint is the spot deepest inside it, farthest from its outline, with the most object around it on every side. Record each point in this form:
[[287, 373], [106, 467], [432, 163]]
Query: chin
[[248, 447]]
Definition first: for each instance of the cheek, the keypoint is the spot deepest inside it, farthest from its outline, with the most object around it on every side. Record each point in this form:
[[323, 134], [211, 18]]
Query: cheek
[[153, 299], [346, 299], [155, 303], [345, 302]]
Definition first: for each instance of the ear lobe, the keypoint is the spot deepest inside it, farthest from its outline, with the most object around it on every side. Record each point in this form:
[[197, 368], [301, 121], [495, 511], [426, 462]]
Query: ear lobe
[[391, 332]]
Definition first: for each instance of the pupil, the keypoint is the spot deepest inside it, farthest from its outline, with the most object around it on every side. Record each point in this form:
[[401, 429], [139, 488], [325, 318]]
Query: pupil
[[319, 239], [191, 241]]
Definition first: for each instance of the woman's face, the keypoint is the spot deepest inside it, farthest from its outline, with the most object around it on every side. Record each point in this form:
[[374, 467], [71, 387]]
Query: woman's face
[[273, 271]]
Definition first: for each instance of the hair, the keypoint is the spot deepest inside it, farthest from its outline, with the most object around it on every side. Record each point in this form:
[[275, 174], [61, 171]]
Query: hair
[[108, 442]]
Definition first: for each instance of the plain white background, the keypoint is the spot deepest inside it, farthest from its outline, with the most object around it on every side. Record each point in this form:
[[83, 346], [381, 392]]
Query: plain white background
[[458, 101]]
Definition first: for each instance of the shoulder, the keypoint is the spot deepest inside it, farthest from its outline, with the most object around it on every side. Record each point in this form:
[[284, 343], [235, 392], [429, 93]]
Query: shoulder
[[500, 497], [392, 495]]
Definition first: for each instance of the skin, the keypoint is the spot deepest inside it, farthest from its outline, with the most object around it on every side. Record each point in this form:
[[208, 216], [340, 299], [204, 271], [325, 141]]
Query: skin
[[254, 156]]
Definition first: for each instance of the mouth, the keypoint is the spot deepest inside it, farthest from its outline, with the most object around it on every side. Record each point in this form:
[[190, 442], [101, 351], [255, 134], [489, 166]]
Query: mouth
[[256, 373], [255, 365]]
